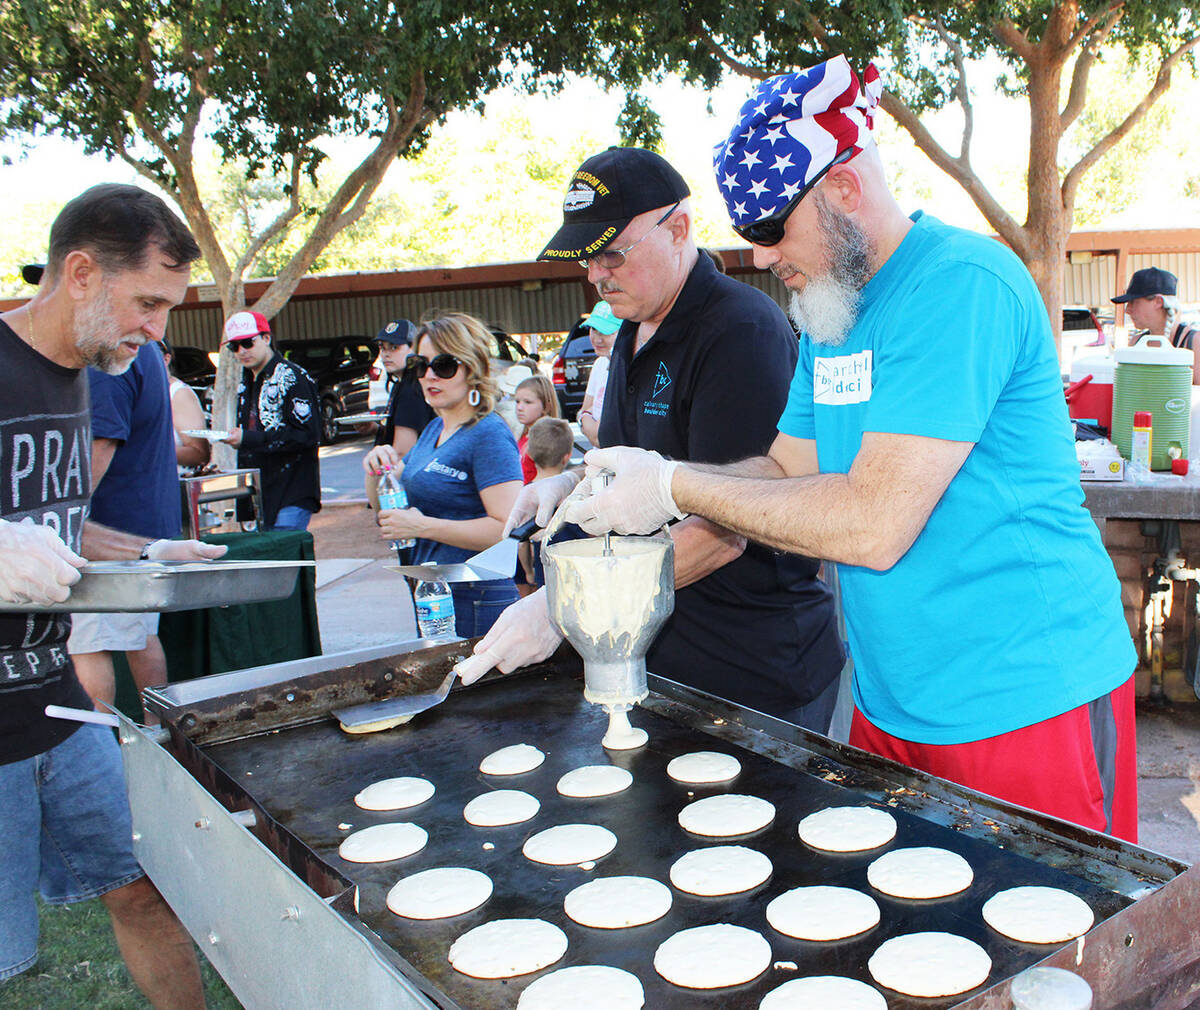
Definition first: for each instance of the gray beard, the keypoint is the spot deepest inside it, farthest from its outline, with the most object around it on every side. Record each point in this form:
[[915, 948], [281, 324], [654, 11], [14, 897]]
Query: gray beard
[[827, 308], [94, 323]]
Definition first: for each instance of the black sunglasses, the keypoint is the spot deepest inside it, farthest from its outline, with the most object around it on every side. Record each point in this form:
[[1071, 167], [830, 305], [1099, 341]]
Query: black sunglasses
[[769, 230], [445, 366], [241, 344]]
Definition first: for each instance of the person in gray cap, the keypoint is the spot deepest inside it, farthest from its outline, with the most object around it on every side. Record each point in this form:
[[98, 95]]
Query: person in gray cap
[[1152, 304], [699, 370], [407, 411]]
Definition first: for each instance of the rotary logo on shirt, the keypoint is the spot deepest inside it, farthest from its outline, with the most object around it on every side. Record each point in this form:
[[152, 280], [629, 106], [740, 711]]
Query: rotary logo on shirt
[[842, 380]]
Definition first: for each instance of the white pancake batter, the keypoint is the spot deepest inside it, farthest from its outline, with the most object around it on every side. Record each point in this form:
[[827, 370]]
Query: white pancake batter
[[584, 987], [823, 992], [930, 964], [503, 806], [618, 902], [848, 829], [1038, 914], [595, 780], [514, 760], [621, 735], [726, 815], [822, 912], [712, 957], [503, 948], [395, 794], [721, 869], [565, 844], [383, 842], [920, 872], [439, 893], [703, 766]]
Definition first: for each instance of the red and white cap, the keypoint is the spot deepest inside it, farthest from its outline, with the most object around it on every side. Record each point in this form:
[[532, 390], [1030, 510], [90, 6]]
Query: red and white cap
[[245, 324]]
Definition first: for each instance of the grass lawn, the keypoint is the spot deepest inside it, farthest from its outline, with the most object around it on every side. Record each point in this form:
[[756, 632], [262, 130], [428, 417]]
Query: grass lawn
[[79, 966]]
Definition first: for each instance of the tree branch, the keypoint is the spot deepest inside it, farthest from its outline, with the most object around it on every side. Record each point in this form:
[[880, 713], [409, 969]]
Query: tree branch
[[1162, 82], [1077, 96], [961, 91], [1007, 33], [744, 69], [1111, 14], [960, 171], [284, 218]]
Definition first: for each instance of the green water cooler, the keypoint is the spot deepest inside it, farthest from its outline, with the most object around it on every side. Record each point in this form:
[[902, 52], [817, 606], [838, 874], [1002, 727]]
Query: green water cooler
[[1156, 377]]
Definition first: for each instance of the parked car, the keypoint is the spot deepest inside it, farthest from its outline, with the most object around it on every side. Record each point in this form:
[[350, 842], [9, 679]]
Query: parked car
[[505, 351], [341, 368], [194, 367], [1080, 317], [571, 370]]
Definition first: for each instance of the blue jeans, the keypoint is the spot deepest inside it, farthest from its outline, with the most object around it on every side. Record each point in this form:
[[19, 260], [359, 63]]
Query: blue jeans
[[292, 517], [65, 828], [478, 604]]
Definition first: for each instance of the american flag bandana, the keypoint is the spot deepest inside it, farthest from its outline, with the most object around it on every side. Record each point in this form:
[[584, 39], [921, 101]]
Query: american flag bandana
[[790, 129]]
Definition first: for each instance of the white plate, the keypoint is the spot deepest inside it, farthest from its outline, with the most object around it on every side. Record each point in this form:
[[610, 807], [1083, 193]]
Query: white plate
[[361, 418], [213, 435]]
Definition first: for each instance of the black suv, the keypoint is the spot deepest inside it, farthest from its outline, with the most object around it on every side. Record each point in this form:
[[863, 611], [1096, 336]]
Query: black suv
[[341, 369], [572, 369]]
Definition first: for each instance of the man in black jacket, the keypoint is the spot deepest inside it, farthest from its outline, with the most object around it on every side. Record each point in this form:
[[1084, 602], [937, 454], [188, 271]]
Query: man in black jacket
[[279, 428]]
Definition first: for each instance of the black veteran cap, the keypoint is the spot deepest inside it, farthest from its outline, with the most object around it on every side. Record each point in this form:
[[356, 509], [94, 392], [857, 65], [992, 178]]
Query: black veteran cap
[[398, 331], [607, 192]]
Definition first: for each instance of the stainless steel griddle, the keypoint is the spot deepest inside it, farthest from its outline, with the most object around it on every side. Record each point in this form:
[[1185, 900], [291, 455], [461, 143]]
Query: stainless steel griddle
[[262, 742]]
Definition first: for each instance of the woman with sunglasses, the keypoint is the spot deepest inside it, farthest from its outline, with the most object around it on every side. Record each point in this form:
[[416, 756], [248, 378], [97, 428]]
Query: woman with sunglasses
[[463, 474]]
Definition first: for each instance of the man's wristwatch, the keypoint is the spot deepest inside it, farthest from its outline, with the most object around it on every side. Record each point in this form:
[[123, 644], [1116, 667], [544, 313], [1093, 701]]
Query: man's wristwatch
[[145, 555]]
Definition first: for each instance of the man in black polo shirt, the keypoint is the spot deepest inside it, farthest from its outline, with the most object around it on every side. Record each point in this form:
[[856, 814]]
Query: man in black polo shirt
[[700, 369]]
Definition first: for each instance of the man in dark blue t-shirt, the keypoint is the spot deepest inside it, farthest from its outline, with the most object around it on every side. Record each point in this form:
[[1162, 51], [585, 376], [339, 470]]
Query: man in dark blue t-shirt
[[136, 491]]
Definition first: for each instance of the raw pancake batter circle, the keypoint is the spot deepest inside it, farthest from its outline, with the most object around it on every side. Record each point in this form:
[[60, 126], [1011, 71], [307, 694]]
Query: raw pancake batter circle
[[584, 987], [703, 767], [822, 912], [712, 957], [929, 964], [565, 844], [721, 869], [847, 829], [503, 806], [726, 815], [514, 760], [618, 902], [439, 893], [383, 842], [395, 794], [1038, 914], [592, 781], [823, 992], [503, 948], [920, 872]]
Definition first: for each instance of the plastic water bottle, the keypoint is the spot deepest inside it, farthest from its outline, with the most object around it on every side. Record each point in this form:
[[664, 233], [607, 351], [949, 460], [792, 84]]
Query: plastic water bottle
[[435, 608], [392, 496]]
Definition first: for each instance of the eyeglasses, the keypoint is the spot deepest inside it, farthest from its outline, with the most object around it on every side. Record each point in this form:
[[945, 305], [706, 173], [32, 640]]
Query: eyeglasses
[[610, 259], [444, 366], [241, 344], [769, 230]]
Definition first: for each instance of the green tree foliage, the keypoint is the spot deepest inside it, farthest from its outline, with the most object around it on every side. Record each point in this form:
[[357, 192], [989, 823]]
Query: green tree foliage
[[1047, 47]]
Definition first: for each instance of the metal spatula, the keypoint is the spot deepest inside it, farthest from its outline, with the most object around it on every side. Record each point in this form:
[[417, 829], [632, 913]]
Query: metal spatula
[[392, 711]]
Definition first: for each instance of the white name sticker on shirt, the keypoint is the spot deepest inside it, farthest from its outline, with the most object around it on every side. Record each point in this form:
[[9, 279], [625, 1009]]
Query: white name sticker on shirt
[[841, 380]]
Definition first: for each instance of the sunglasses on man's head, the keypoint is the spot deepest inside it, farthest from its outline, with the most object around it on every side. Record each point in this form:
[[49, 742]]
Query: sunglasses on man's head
[[242, 343], [445, 366], [769, 230]]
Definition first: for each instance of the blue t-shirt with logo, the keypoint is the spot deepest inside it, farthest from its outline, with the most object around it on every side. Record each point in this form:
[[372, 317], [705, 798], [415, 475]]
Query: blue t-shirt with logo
[[445, 480], [1006, 610]]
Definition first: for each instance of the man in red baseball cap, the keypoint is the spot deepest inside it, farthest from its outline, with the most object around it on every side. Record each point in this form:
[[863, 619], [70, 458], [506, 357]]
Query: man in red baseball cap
[[279, 429]]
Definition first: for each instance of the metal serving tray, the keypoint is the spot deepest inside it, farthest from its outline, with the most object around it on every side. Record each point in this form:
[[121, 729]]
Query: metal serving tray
[[135, 586]]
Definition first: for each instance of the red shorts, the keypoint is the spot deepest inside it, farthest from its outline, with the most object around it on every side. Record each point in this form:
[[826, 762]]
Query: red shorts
[[1080, 766]]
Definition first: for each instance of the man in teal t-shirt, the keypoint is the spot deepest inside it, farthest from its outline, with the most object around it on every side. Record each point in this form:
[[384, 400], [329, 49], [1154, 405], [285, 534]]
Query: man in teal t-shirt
[[925, 448]]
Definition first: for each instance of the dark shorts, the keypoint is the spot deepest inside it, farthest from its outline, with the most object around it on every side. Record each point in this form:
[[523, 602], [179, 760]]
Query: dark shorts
[[64, 830]]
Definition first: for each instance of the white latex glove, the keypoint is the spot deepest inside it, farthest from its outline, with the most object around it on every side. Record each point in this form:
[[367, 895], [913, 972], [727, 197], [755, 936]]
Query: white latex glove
[[36, 567], [638, 500], [540, 499], [185, 550], [522, 634]]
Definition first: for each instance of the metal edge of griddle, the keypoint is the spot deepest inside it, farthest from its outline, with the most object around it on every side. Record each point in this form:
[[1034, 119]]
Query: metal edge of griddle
[[205, 862], [264, 699], [1110, 862]]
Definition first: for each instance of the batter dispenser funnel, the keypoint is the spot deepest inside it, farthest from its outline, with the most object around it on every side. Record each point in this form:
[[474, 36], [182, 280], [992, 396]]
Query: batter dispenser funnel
[[610, 607]]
